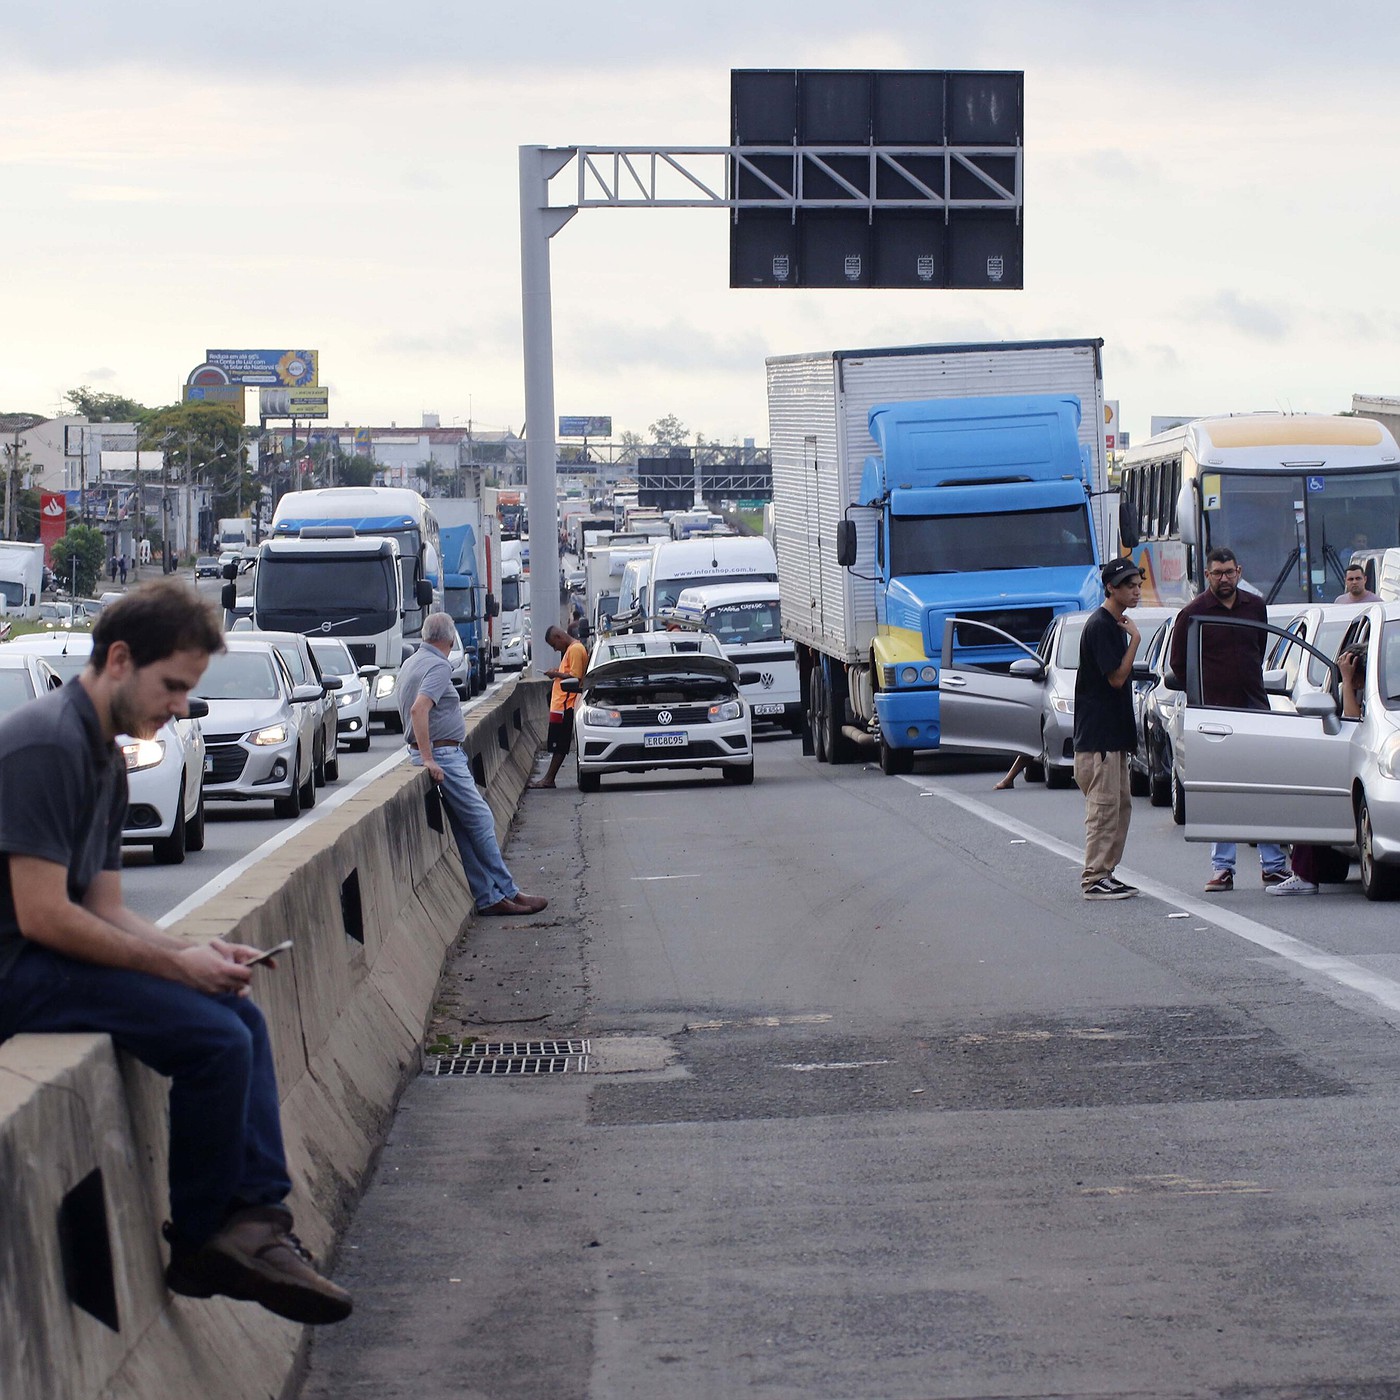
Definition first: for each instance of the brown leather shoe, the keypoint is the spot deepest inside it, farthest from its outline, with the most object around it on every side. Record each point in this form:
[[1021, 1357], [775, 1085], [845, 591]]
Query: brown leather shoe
[[501, 906], [256, 1258], [529, 903]]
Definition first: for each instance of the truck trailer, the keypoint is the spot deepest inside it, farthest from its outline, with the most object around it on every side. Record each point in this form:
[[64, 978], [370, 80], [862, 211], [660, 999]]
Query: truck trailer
[[21, 578], [465, 527], [919, 484]]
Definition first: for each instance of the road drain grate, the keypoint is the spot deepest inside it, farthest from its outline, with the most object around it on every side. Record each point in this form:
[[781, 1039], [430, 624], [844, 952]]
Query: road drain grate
[[509, 1057]]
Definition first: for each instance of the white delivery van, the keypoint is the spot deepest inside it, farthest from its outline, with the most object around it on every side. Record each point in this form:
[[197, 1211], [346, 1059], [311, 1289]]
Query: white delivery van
[[681, 564], [747, 621], [631, 596]]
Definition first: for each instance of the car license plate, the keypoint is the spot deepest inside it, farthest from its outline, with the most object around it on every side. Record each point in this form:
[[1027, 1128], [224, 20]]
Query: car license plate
[[208, 763], [767, 709], [665, 741]]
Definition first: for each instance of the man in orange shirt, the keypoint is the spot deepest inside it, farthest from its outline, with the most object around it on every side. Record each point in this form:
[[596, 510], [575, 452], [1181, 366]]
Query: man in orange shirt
[[561, 704]]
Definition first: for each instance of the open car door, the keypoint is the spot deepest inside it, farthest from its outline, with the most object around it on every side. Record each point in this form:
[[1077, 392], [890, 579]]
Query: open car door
[[980, 708]]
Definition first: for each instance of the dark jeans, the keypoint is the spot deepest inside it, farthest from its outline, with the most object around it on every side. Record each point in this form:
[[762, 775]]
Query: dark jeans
[[225, 1121]]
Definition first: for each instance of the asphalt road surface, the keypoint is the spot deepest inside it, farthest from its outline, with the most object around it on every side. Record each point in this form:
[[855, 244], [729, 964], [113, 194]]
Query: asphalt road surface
[[877, 1106]]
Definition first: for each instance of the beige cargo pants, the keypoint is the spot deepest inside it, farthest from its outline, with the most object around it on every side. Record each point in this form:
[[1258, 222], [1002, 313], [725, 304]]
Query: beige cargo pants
[[1103, 779]]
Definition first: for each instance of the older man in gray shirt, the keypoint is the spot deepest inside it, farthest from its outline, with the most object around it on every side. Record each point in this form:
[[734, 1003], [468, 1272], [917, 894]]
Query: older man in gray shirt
[[432, 718]]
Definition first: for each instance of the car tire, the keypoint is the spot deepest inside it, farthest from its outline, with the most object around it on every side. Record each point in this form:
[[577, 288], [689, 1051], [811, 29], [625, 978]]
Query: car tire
[[332, 764], [1178, 796], [318, 765], [308, 791], [1035, 771], [1159, 790], [1377, 881], [1058, 777], [589, 782], [290, 805], [393, 724], [740, 777], [894, 762], [1139, 784], [359, 745], [170, 850], [194, 831]]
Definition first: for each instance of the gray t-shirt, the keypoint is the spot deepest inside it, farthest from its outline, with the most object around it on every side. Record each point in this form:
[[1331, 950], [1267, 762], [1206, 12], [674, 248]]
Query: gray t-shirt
[[428, 672], [62, 798]]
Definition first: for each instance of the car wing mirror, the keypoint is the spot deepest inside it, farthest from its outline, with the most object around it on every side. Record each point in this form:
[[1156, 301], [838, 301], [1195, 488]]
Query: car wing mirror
[[1321, 704], [569, 685], [305, 694], [1142, 671], [1172, 681], [1276, 682], [331, 683], [197, 708], [368, 671], [1028, 667]]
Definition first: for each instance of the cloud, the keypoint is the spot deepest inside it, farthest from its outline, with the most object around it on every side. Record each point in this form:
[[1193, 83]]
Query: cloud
[[118, 194], [678, 346], [1247, 317], [98, 376]]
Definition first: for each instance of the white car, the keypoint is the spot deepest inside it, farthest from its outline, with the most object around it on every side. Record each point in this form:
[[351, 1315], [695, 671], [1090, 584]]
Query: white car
[[164, 775], [23, 677], [260, 734], [515, 652], [661, 700], [352, 699], [56, 615]]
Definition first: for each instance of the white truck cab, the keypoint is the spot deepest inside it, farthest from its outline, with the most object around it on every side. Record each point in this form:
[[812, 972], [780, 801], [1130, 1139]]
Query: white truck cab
[[746, 619]]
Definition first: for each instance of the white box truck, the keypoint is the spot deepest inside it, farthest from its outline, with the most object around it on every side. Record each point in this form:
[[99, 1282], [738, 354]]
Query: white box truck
[[21, 578], [915, 484]]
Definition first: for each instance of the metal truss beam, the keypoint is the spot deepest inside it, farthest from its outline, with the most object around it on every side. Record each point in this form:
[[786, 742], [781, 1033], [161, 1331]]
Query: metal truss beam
[[702, 177]]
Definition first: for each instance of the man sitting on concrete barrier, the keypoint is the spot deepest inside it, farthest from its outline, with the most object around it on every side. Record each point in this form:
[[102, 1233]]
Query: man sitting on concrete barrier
[[73, 957], [432, 718]]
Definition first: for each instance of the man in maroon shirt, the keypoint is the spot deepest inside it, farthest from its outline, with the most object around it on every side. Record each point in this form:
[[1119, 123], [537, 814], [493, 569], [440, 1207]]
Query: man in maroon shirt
[[1232, 676]]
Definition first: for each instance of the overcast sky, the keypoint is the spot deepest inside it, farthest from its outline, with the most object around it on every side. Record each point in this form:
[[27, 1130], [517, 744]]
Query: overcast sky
[[1209, 187]]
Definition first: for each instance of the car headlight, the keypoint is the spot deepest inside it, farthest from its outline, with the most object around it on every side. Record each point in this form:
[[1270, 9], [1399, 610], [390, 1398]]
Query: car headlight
[[384, 684], [726, 709], [1062, 704], [346, 697], [143, 753], [908, 675], [929, 673], [1389, 760], [273, 734], [607, 719]]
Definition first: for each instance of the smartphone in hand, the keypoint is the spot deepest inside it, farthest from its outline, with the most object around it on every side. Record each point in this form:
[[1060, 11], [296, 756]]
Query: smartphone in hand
[[268, 953]]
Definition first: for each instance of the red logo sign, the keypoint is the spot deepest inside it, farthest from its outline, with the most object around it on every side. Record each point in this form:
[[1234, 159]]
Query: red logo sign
[[53, 522]]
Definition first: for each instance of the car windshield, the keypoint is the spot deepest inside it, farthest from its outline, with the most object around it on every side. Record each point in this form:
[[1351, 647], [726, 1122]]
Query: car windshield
[[736, 624], [333, 659], [956, 544], [1067, 653], [239, 675], [16, 689]]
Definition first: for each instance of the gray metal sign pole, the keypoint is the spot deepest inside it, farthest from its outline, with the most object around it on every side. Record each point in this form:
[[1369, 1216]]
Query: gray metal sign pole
[[538, 224]]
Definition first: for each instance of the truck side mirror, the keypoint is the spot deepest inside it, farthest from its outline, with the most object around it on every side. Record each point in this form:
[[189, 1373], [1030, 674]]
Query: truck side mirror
[[423, 593], [230, 570], [1127, 526], [846, 543], [228, 596]]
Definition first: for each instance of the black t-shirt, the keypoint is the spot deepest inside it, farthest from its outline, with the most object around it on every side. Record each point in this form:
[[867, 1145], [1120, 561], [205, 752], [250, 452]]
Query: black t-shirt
[[62, 798], [1103, 716]]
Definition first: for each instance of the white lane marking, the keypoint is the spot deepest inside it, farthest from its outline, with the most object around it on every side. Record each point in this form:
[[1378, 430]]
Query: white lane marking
[[639, 879], [1343, 971], [220, 882], [838, 1064]]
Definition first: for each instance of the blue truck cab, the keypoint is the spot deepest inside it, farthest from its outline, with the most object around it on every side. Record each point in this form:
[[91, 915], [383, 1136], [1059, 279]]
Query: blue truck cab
[[984, 515], [464, 599]]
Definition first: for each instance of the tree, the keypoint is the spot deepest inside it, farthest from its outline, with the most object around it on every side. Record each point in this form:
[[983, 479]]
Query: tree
[[630, 446], [95, 406], [78, 559], [207, 441], [669, 432], [356, 471]]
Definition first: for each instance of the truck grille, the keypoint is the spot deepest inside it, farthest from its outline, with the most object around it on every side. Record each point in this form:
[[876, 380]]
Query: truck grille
[[1027, 625]]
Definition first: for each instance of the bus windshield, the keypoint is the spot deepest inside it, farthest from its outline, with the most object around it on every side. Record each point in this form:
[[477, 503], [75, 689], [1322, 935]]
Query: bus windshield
[[959, 544], [1294, 533]]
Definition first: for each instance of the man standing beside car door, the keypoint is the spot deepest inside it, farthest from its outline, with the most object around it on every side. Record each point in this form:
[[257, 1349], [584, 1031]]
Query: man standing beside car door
[[1232, 676], [1104, 729]]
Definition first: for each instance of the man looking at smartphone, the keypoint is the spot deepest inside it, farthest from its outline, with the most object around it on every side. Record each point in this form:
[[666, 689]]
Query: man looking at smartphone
[[73, 957]]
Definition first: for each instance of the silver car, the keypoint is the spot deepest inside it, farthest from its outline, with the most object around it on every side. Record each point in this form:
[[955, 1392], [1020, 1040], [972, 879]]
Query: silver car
[[260, 733], [352, 699], [295, 650], [1307, 774]]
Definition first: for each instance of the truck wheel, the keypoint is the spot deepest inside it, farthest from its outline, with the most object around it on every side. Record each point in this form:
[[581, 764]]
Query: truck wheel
[[817, 715], [893, 762], [839, 748], [1377, 881]]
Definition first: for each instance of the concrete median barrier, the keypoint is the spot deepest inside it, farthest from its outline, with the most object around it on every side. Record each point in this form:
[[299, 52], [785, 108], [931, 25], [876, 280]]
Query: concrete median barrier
[[375, 897]]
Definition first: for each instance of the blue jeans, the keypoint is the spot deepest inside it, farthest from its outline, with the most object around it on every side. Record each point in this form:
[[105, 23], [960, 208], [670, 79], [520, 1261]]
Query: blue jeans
[[474, 826], [225, 1120], [1271, 858]]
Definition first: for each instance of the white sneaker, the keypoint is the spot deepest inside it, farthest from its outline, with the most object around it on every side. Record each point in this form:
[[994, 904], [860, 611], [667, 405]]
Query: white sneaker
[[1295, 884]]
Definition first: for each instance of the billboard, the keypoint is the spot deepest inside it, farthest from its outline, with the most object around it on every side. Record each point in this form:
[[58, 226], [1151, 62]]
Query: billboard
[[294, 403], [287, 369], [875, 178], [53, 521], [596, 427]]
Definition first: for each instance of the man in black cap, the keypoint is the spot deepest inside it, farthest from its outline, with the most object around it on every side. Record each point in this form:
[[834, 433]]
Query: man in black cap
[[1104, 731]]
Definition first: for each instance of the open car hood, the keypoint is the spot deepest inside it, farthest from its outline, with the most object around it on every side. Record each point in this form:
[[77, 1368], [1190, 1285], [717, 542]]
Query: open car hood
[[641, 668]]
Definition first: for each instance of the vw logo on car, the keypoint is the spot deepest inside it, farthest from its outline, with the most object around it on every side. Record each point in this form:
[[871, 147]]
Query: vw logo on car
[[663, 717]]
